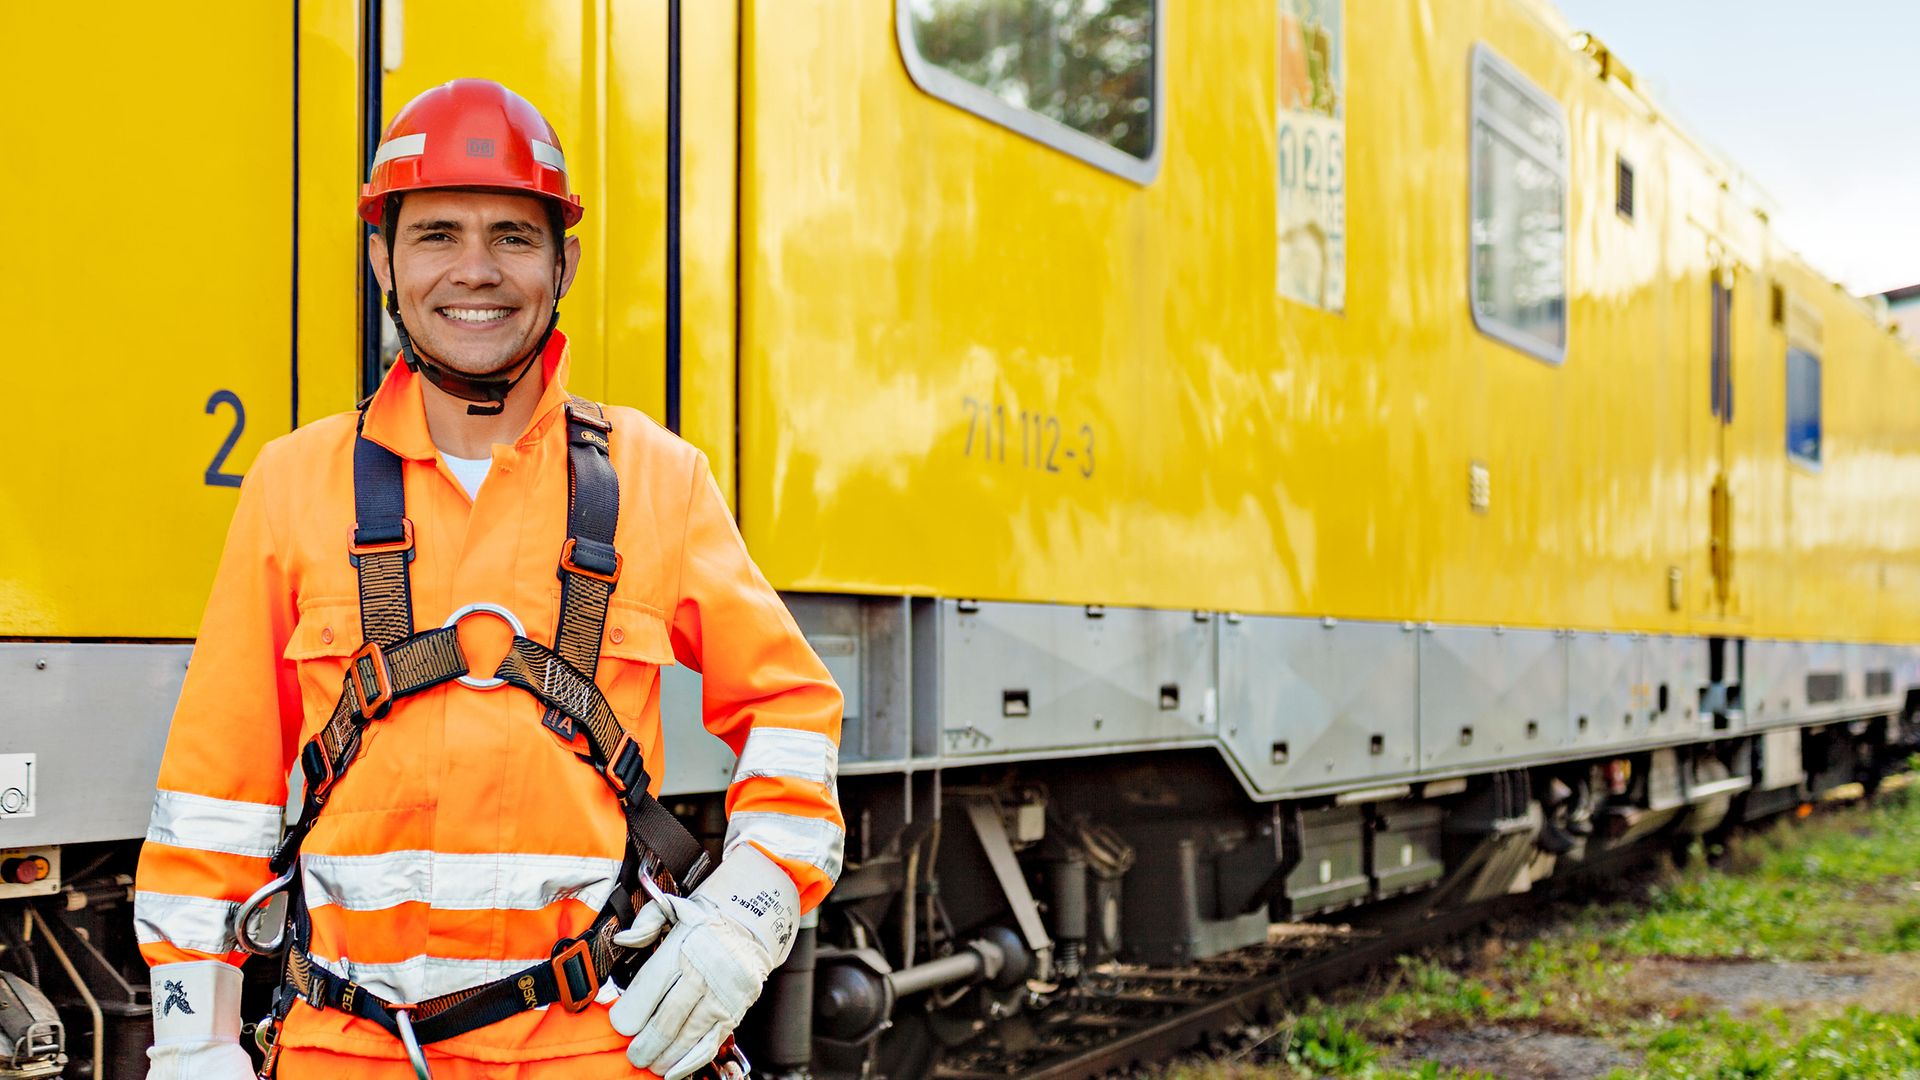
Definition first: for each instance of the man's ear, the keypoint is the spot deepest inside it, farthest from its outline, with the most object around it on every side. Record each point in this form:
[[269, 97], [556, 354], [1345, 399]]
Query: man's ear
[[377, 257], [570, 264]]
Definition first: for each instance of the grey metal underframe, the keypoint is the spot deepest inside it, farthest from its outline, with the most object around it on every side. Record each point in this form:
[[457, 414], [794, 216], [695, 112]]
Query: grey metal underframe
[[919, 673]]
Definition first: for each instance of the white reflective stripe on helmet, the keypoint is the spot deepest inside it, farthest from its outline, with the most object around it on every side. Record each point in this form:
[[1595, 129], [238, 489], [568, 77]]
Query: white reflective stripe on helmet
[[788, 753], [398, 147], [187, 922], [418, 978], [550, 156], [456, 882], [790, 836], [204, 823]]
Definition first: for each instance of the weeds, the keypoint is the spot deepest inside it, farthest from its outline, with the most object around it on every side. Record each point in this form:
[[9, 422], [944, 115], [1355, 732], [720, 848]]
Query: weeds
[[1844, 886]]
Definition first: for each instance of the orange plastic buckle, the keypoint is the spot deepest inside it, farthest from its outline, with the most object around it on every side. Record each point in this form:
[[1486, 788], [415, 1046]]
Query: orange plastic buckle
[[571, 567], [571, 999], [371, 706], [356, 550]]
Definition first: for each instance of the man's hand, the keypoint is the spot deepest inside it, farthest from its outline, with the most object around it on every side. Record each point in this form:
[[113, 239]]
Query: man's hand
[[725, 940], [196, 1023]]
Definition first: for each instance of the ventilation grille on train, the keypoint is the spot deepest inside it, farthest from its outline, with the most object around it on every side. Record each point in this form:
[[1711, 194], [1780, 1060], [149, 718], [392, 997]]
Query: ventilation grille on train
[[1879, 683], [1824, 688], [1623, 195]]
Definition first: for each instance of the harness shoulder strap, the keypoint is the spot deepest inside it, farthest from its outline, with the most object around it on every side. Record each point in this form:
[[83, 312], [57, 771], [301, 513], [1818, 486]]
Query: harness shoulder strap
[[589, 565], [382, 544]]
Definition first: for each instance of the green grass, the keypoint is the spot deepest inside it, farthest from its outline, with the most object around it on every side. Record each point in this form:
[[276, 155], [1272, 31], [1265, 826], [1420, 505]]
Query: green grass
[[1843, 885], [1824, 892], [1856, 1045]]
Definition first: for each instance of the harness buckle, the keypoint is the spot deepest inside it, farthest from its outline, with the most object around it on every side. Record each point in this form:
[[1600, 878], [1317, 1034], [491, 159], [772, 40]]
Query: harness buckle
[[590, 416], [626, 768], [371, 706], [318, 769], [574, 976], [568, 565], [356, 549]]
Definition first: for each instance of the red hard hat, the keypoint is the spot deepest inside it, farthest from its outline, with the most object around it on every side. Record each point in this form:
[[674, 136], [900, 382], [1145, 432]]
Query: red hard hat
[[469, 133]]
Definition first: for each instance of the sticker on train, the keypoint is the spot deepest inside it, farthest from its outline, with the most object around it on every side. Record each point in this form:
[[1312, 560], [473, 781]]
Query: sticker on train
[[1310, 200], [16, 785]]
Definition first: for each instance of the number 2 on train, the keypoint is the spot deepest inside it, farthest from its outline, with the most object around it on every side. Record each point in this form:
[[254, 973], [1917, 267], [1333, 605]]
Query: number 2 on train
[[214, 476]]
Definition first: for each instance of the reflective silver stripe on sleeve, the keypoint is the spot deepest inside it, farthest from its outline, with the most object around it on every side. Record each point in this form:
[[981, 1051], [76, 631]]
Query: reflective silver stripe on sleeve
[[807, 839], [187, 922], [456, 882], [418, 978], [549, 156], [788, 753], [398, 147], [208, 824]]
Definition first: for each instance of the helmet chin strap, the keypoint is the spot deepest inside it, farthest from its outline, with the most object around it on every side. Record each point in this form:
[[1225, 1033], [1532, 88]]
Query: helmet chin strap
[[486, 394]]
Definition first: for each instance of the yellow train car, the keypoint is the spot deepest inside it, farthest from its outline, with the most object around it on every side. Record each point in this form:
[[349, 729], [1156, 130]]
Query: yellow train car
[[1279, 454]]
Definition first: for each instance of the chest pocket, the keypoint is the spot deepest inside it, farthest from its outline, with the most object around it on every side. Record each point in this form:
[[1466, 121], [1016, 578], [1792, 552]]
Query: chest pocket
[[633, 648], [326, 636]]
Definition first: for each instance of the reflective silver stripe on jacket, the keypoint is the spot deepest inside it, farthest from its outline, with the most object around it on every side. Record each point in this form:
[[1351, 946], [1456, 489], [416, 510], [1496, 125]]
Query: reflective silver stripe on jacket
[[456, 882], [806, 839], [205, 823], [788, 753], [187, 922]]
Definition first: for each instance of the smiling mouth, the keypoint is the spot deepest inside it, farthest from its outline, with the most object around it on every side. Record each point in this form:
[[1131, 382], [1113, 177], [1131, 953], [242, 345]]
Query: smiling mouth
[[475, 315]]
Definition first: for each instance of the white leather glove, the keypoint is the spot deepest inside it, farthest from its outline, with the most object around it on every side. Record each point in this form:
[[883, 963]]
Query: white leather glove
[[724, 941], [196, 1023]]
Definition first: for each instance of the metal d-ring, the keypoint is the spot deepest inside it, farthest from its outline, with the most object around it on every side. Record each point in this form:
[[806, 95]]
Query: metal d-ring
[[498, 612], [243, 918]]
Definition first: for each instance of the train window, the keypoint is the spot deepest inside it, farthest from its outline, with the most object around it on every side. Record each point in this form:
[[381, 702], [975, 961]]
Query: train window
[[1080, 76], [1803, 405], [1518, 280]]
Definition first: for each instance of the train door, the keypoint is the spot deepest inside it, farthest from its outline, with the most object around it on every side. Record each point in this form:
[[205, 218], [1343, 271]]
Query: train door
[[644, 96]]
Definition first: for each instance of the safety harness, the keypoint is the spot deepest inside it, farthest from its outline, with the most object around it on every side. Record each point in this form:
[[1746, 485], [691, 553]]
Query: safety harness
[[396, 662]]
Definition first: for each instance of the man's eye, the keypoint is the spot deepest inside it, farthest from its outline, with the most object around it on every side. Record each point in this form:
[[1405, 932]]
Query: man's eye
[[434, 236], [521, 240]]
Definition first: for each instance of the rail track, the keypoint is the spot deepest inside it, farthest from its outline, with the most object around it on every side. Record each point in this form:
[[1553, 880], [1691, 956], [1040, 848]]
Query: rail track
[[1122, 1018]]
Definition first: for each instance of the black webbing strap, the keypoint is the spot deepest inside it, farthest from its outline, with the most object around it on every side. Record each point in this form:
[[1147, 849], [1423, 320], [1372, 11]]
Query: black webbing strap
[[589, 565], [570, 979], [382, 544], [651, 827]]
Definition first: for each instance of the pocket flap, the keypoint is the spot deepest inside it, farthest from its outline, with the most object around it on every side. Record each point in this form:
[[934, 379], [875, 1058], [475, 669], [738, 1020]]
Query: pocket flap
[[325, 629], [635, 631]]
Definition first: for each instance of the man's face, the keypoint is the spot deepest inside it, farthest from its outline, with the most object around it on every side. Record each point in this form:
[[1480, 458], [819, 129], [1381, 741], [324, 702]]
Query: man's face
[[476, 274]]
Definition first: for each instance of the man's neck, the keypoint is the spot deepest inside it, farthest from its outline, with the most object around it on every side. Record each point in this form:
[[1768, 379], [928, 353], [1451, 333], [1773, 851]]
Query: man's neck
[[461, 434]]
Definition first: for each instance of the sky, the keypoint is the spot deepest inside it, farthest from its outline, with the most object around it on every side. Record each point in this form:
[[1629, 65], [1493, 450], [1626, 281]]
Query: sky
[[1817, 103]]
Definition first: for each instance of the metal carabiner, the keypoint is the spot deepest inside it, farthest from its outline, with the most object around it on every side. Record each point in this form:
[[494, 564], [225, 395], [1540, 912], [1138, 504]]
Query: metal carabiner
[[244, 914], [651, 886], [402, 1015], [732, 1064]]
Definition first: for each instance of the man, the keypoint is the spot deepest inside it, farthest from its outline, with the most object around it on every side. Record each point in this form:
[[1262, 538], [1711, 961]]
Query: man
[[469, 850]]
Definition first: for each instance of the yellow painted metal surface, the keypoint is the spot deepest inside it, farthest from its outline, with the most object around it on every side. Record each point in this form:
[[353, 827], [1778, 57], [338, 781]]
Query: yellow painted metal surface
[[912, 273], [149, 302], [934, 312]]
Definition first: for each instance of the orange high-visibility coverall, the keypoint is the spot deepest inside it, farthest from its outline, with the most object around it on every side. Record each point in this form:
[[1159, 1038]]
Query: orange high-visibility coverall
[[467, 838]]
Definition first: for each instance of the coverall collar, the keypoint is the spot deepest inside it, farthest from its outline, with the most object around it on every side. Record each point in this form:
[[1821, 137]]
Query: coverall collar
[[397, 415]]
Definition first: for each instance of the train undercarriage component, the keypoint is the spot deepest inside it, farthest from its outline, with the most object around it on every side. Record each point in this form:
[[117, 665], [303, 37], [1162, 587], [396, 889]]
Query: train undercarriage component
[[33, 1041]]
